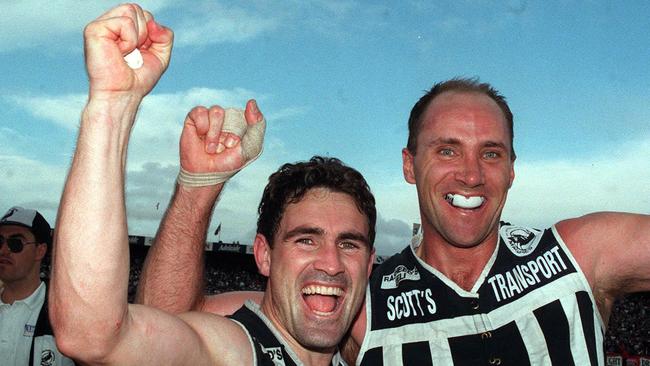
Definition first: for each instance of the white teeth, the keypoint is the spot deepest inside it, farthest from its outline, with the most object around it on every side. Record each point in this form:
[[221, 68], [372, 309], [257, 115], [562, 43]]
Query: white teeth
[[322, 290], [461, 201], [134, 59]]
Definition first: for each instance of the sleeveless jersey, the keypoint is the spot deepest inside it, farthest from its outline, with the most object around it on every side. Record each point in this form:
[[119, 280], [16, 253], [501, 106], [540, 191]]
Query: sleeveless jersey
[[268, 345], [531, 305]]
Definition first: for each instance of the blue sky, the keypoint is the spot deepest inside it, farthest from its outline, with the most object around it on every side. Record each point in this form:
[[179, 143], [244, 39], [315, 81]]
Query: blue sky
[[339, 78]]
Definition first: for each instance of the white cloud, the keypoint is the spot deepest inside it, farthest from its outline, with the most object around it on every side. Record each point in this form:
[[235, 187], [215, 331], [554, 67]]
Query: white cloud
[[213, 23], [34, 23], [29, 183], [286, 113], [64, 110], [392, 235], [342, 19], [545, 192]]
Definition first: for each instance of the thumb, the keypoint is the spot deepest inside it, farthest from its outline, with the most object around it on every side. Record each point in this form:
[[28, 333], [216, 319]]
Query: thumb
[[160, 42], [252, 112]]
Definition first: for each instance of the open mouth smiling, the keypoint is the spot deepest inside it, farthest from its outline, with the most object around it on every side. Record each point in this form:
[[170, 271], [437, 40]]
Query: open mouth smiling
[[322, 300]]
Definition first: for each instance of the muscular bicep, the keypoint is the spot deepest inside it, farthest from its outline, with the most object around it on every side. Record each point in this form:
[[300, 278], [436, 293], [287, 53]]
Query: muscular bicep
[[153, 337], [228, 302]]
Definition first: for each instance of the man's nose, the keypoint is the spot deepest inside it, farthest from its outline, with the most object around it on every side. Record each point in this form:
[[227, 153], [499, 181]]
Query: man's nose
[[329, 260], [470, 172]]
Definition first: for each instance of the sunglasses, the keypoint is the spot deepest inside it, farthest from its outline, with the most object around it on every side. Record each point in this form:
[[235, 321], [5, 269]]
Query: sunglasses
[[15, 245]]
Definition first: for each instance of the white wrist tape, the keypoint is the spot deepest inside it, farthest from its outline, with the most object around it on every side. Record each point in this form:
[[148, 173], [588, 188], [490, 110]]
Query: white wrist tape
[[252, 139]]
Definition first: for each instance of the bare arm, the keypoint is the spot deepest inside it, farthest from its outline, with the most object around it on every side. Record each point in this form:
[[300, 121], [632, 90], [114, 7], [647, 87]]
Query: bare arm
[[172, 277], [88, 306], [88, 293], [613, 250]]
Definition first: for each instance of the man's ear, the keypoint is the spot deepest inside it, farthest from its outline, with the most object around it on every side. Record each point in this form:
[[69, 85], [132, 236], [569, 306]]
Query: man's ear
[[512, 173], [407, 166], [262, 253], [41, 249]]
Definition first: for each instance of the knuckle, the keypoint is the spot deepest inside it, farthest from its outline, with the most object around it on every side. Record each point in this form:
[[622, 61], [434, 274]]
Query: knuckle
[[89, 29], [198, 109], [217, 110]]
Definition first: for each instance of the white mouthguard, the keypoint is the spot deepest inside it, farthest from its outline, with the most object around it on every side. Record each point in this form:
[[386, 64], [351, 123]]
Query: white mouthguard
[[461, 201], [134, 59]]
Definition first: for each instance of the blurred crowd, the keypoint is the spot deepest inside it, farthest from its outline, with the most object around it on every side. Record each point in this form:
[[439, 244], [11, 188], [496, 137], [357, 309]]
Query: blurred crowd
[[629, 326]]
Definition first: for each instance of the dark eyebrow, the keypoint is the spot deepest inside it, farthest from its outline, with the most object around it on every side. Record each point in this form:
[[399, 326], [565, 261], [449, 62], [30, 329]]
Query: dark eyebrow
[[455, 141], [496, 144], [353, 235], [302, 230], [18, 236], [445, 140]]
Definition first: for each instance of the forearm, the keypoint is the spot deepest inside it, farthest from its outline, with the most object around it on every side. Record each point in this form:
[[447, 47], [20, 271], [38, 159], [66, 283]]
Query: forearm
[[172, 277], [91, 260]]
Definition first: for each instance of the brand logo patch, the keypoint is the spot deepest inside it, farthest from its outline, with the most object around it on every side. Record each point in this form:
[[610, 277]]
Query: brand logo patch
[[401, 273], [47, 358], [521, 241], [29, 330]]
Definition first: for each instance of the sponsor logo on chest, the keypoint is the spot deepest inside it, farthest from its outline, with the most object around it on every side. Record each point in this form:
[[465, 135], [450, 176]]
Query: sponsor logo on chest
[[516, 280], [409, 304], [401, 273]]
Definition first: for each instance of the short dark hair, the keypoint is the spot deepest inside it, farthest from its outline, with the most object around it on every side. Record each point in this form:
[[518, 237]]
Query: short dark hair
[[290, 183], [470, 85]]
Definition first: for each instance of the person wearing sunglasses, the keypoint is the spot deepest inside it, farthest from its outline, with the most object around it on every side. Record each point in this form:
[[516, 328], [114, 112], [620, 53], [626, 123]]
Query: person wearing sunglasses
[[26, 337]]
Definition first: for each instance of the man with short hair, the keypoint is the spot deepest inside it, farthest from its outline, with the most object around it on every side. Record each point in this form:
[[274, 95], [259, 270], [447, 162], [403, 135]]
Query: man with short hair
[[314, 242], [472, 289], [25, 331]]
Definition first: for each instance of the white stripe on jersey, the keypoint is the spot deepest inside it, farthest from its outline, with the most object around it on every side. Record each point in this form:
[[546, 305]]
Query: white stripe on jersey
[[533, 338]]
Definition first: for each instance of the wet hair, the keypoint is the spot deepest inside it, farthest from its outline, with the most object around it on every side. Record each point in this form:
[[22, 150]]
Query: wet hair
[[469, 85], [291, 182]]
